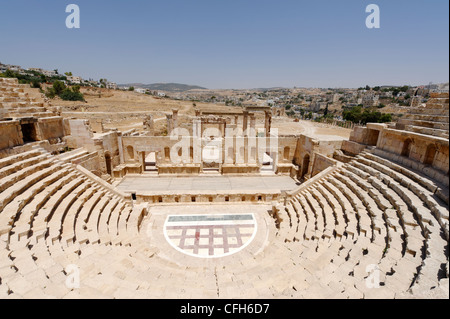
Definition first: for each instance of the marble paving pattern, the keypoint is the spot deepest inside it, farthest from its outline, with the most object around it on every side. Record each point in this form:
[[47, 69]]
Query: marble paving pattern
[[210, 236]]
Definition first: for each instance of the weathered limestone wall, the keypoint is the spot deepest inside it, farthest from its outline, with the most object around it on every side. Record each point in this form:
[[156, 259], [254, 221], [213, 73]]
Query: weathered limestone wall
[[287, 147], [172, 157], [90, 162], [307, 148], [80, 135], [213, 197], [430, 150], [352, 148], [66, 125], [133, 145], [107, 147], [51, 128], [321, 163], [327, 148], [10, 134], [96, 125], [366, 135]]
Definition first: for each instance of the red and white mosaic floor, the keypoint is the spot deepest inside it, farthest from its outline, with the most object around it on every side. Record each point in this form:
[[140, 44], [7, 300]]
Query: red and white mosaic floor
[[210, 236]]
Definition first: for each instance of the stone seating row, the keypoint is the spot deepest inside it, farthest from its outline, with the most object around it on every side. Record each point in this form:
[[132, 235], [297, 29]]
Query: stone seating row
[[371, 201], [47, 207]]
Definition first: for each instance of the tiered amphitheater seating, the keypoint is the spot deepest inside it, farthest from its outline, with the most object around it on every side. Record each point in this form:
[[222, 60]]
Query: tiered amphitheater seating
[[431, 120], [322, 245], [15, 103], [48, 211], [370, 213]]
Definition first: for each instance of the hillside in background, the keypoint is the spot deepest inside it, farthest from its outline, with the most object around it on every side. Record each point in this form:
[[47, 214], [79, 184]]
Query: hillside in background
[[167, 87]]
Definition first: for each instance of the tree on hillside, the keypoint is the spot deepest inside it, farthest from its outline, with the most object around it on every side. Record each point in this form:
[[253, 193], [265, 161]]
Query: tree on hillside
[[71, 95], [357, 115], [404, 88], [68, 74], [59, 87], [76, 88]]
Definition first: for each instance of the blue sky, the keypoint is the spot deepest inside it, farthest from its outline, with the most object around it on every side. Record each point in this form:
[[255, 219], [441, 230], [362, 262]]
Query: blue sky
[[233, 43]]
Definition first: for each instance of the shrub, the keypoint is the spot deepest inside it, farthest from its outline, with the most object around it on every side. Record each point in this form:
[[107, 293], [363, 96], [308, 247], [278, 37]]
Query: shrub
[[76, 88], [59, 87], [386, 118], [50, 93], [357, 115], [69, 95], [36, 84]]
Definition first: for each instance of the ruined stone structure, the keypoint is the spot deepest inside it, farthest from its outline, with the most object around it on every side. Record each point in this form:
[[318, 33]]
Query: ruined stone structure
[[141, 216]]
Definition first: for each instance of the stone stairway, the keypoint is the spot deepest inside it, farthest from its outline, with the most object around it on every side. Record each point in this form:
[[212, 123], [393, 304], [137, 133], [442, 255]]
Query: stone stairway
[[16, 103]]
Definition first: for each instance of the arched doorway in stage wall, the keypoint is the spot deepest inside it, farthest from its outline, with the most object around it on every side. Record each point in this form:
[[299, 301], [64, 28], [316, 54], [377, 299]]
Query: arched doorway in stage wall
[[286, 153], [149, 156], [268, 164], [150, 162], [211, 154], [305, 166], [430, 154], [108, 161], [130, 152], [407, 145]]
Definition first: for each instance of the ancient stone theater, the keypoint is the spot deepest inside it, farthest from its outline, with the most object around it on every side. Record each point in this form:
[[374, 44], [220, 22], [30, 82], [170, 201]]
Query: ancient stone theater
[[224, 207]]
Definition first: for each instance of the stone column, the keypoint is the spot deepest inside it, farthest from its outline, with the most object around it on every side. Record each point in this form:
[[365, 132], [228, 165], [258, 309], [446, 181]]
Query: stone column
[[253, 125], [169, 124], [175, 118], [197, 128], [149, 125], [250, 144], [268, 123], [245, 124], [223, 128], [119, 142]]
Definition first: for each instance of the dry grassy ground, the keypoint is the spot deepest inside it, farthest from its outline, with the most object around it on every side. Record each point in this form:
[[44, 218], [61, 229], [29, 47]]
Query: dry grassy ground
[[126, 110]]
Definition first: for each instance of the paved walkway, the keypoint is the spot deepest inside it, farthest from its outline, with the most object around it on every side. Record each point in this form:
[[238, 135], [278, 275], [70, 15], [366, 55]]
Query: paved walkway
[[206, 183]]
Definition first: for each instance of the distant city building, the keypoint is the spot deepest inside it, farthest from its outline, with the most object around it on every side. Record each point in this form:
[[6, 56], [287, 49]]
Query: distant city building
[[111, 85], [443, 88], [36, 70], [13, 68], [316, 106], [336, 98], [49, 73], [75, 79], [93, 83], [370, 99], [140, 90], [387, 95]]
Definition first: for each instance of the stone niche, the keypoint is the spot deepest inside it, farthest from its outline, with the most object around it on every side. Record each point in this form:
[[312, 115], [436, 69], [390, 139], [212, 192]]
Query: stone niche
[[321, 163], [367, 135]]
